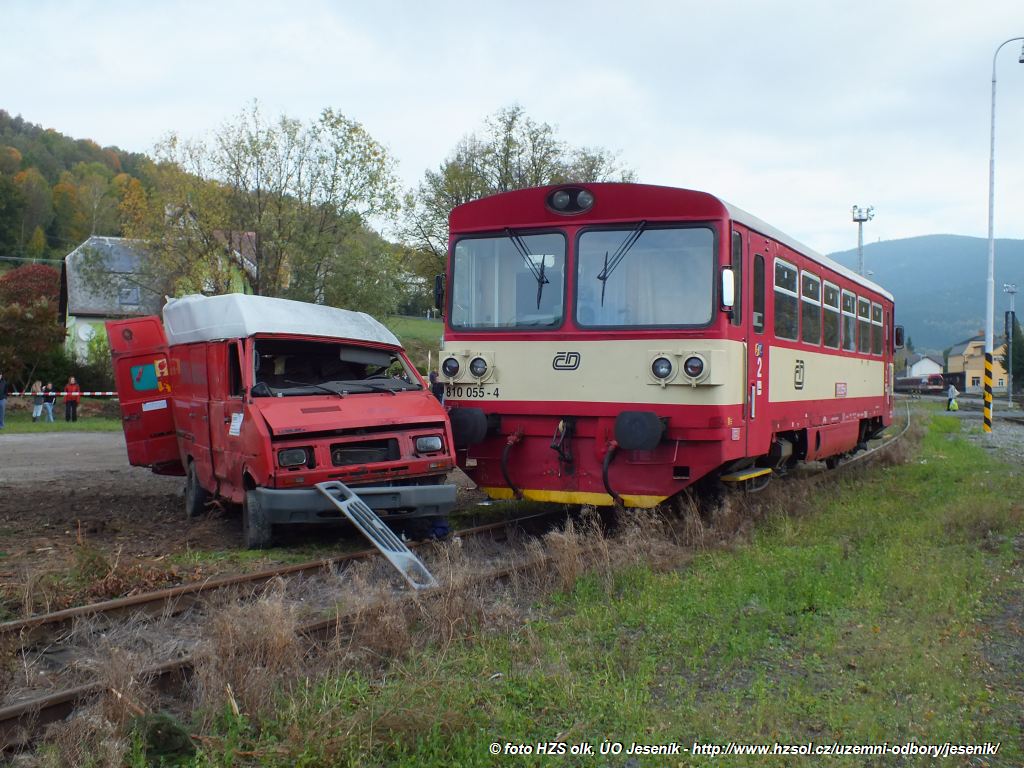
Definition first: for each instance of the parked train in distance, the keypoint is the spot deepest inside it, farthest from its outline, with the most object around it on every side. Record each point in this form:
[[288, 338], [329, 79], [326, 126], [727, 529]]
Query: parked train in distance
[[931, 384], [617, 343]]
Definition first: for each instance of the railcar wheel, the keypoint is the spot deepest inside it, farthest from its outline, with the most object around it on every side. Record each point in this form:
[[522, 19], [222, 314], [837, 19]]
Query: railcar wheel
[[196, 496], [256, 528]]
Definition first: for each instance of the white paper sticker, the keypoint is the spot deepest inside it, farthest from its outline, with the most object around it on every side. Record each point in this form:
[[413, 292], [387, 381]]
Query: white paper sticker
[[236, 425], [155, 405]]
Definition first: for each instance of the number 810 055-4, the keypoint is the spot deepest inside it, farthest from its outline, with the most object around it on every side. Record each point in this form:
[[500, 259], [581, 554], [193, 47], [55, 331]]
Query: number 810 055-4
[[459, 391]]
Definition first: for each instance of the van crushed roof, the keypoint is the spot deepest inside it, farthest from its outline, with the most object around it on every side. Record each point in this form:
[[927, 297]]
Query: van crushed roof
[[236, 315]]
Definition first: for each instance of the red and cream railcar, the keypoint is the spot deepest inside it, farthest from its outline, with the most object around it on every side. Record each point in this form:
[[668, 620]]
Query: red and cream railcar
[[619, 342]]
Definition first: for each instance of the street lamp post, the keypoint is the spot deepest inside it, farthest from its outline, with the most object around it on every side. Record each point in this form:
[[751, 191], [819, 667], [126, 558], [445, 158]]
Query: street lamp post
[[860, 215], [990, 300], [1011, 289]]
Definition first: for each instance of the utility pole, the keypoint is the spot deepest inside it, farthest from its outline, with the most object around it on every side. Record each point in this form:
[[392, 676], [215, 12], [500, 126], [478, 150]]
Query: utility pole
[[860, 215], [1011, 328]]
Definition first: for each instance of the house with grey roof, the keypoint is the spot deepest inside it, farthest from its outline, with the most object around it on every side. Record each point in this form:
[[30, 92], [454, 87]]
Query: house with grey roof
[[103, 279], [922, 365]]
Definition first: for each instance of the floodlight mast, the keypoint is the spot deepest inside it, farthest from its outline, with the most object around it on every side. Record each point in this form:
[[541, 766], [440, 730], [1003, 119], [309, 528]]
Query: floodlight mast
[[860, 215]]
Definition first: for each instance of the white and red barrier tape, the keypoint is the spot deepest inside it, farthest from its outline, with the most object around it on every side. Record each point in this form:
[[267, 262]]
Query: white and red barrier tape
[[65, 394]]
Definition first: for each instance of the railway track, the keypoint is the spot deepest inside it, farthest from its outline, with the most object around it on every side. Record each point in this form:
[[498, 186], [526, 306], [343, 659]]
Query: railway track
[[22, 722], [44, 636]]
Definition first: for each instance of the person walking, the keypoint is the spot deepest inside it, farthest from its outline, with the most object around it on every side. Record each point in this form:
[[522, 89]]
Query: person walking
[[4, 389], [37, 400], [72, 394], [49, 398], [951, 394]]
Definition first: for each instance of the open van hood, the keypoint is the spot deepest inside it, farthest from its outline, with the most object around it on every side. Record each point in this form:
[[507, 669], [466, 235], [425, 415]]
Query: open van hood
[[315, 413]]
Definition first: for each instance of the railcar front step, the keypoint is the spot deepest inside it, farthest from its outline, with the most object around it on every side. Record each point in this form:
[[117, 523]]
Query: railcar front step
[[745, 474], [377, 531]]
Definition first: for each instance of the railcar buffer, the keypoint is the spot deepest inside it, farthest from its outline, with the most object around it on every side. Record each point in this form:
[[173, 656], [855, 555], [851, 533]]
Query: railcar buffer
[[376, 530]]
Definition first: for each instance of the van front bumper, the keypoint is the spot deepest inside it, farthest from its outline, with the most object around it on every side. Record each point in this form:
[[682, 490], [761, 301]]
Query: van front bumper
[[308, 505]]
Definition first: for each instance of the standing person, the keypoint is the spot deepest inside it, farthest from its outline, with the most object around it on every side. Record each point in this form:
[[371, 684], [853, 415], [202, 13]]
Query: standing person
[[72, 394], [4, 389], [49, 398], [37, 400], [951, 394], [436, 387]]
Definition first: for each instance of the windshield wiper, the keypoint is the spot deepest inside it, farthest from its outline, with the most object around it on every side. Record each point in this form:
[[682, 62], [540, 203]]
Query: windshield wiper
[[375, 386], [620, 254], [538, 273], [315, 386]]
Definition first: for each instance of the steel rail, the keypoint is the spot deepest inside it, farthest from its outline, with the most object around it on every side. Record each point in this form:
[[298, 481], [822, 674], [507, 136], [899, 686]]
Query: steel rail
[[21, 723], [35, 629]]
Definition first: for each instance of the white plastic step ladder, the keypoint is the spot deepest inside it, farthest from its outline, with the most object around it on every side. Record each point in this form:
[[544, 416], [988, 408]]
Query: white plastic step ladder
[[377, 531]]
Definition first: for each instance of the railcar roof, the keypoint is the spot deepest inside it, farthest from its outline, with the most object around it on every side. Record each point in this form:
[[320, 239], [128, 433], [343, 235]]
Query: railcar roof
[[235, 315]]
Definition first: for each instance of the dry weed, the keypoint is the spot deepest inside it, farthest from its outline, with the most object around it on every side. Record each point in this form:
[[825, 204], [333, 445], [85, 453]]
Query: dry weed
[[251, 649]]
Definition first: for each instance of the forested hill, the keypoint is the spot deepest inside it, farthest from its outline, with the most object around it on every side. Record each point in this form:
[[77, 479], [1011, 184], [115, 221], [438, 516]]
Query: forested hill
[[938, 282], [55, 190]]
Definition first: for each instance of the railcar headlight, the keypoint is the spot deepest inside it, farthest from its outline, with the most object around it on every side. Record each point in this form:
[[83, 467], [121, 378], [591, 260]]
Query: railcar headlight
[[693, 367], [661, 368], [584, 199], [560, 200], [450, 367], [292, 457], [478, 367], [430, 444]]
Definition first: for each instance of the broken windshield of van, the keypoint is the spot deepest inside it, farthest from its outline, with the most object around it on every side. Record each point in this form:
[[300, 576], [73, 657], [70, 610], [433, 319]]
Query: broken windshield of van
[[285, 368]]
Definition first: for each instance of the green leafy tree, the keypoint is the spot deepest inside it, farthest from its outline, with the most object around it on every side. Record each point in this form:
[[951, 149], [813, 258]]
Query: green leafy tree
[[275, 202], [37, 199], [512, 151]]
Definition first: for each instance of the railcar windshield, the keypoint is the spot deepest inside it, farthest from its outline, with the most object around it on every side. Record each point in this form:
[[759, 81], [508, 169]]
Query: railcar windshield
[[645, 277], [292, 367], [515, 280]]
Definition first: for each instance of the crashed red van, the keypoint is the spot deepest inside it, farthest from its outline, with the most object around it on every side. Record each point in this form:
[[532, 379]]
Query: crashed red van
[[255, 400]]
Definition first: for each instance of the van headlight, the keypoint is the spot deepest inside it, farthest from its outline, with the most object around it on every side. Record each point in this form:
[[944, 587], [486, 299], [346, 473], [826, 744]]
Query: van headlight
[[293, 457], [429, 444]]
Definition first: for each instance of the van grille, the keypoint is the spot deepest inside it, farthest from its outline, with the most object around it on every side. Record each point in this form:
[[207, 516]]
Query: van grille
[[364, 452]]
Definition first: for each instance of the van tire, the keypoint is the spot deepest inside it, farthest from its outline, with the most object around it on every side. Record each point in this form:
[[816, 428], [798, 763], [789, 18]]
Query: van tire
[[196, 497], [256, 528]]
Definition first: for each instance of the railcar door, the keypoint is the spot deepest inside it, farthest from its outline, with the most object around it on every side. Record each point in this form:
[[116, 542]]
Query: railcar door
[[143, 374], [758, 332]]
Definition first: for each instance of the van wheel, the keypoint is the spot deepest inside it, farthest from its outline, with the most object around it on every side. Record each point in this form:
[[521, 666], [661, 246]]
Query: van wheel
[[196, 496], [256, 529]]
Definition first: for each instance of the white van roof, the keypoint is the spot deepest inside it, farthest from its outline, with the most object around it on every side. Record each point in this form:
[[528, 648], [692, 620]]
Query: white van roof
[[236, 315]]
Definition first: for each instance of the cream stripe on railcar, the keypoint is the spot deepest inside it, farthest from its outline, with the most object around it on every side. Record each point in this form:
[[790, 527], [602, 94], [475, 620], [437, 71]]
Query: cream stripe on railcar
[[825, 376], [608, 371]]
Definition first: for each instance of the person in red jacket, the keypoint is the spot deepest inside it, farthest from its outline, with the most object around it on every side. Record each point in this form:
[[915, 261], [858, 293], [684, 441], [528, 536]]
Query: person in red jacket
[[71, 397]]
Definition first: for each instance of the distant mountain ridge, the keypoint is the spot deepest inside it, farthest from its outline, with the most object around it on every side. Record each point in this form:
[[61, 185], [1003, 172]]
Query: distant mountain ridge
[[938, 282]]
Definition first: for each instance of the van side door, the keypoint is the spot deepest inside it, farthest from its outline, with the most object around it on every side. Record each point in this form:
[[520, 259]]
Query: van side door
[[145, 385], [224, 371]]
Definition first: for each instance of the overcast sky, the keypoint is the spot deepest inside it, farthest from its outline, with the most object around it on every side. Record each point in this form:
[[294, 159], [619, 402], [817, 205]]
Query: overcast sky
[[794, 111]]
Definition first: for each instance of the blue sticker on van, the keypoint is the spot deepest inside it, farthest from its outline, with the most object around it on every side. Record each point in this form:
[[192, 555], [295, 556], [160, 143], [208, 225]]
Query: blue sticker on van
[[144, 377]]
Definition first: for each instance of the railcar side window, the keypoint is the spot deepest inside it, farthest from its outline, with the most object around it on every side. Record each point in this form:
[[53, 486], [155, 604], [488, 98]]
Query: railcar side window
[[786, 300], [849, 322], [645, 277], [757, 311], [511, 281], [832, 316], [810, 308], [863, 325], [876, 329], [737, 271]]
